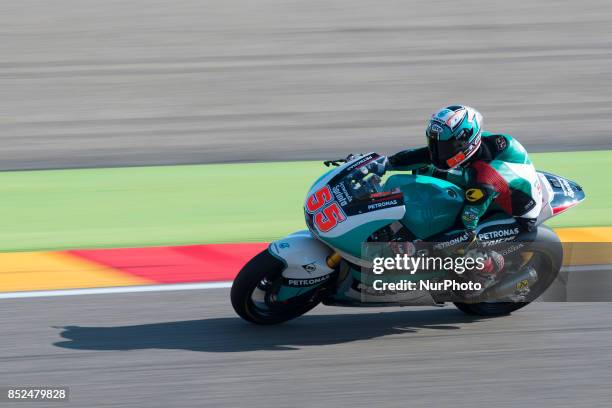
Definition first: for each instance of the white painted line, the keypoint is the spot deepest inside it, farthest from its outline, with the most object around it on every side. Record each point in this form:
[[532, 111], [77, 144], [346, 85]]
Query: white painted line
[[193, 286], [120, 289]]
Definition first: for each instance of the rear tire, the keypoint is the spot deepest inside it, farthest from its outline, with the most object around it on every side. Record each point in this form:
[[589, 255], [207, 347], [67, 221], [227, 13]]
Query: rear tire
[[264, 267], [490, 309], [549, 252]]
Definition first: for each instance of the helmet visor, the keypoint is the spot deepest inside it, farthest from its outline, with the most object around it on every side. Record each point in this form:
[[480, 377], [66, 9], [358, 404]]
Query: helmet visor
[[445, 154]]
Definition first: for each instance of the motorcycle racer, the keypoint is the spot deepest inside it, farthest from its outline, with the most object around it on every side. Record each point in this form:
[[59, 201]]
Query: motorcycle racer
[[494, 170]]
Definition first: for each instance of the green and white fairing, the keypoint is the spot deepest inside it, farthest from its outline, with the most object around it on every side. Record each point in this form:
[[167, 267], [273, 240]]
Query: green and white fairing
[[348, 204]]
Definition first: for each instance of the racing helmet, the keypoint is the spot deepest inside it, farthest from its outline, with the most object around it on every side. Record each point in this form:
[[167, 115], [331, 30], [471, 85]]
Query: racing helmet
[[453, 136]]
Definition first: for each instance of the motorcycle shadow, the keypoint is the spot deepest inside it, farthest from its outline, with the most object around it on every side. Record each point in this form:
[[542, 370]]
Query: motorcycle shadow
[[231, 334]]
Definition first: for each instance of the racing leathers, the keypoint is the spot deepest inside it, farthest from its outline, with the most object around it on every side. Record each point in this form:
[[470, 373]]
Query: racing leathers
[[499, 176]]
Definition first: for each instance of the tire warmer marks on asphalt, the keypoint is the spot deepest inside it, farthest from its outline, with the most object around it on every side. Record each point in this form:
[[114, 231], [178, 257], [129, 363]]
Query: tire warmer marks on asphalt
[[100, 268]]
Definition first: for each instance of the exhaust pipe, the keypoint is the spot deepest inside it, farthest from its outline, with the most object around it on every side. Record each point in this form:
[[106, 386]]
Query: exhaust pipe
[[516, 284]]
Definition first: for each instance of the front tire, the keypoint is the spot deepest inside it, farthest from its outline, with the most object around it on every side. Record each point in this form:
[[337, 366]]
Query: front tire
[[256, 280]]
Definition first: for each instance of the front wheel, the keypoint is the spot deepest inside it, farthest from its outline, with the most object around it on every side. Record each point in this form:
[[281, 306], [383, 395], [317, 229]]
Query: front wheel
[[253, 293]]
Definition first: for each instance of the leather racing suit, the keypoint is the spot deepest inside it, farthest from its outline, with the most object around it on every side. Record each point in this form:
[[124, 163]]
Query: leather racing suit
[[500, 176]]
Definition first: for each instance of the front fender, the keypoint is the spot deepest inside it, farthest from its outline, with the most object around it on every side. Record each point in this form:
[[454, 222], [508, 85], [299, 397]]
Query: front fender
[[305, 258]]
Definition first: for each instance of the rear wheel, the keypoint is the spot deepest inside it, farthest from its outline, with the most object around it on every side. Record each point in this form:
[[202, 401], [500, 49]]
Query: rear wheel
[[490, 309], [253, 292], [546, 259]]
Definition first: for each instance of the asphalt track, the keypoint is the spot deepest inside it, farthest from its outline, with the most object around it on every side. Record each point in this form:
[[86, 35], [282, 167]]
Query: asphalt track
[[114, 83], [111, 83], [187, 349]]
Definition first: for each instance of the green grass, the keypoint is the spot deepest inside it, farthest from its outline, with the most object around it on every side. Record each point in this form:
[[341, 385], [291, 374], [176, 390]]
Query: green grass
[[172, 205]]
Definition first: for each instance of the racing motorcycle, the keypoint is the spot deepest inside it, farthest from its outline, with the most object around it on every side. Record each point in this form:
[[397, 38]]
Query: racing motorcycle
[[351, 205]]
